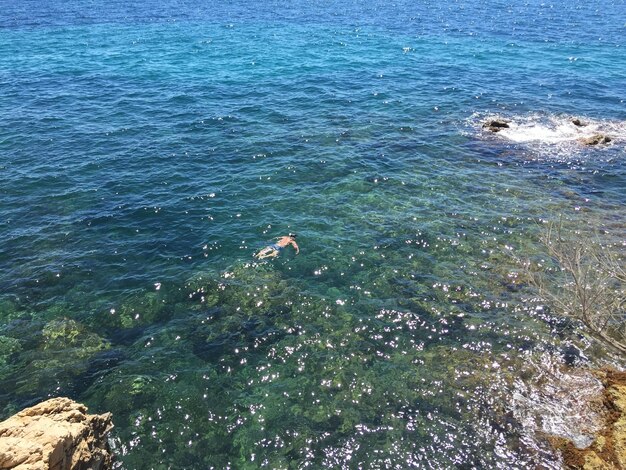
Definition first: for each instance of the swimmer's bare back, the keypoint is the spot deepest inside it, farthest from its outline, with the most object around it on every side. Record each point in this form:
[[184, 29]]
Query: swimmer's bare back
[[272, 251]]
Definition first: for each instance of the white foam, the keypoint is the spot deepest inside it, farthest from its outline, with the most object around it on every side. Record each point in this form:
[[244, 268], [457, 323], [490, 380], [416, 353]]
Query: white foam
[[552, 133], [553, 129]]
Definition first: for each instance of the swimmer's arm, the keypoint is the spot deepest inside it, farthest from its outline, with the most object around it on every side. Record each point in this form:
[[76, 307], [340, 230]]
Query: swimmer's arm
[[295, 245]]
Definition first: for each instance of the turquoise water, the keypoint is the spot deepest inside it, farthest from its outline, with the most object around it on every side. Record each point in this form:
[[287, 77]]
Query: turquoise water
[[148, 150]]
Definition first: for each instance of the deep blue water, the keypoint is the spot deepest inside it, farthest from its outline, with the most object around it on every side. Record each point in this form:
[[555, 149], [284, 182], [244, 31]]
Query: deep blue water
[[148, 149]]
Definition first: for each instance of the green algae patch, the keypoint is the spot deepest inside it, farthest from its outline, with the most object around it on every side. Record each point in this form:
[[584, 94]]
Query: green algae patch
[[9, 347], [136, 310], [71, 336], [59, 351], [9, 311], [142, 309]]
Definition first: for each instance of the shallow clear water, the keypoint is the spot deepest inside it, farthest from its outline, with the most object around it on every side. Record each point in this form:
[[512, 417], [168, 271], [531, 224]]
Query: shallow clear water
[[148, 150]]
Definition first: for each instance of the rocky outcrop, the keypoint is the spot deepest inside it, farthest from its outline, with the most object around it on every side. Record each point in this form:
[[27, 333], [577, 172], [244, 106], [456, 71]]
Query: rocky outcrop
[[597, 139], [577, 122], [495, 125], [608, 450], [57, 434]]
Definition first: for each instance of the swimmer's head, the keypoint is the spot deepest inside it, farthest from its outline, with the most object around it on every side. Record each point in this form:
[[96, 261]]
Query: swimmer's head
[[292, 235]]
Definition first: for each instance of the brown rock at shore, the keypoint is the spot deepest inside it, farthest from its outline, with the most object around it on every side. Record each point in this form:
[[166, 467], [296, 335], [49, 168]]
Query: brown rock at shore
[[57, 434], [608, 450], [597, 139]]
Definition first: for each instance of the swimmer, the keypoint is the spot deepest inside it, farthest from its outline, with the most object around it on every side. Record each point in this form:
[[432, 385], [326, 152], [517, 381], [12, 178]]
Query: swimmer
[[272, 251]]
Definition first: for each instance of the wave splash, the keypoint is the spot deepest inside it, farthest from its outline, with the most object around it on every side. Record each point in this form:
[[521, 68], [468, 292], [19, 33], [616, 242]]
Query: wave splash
[[560, 131]]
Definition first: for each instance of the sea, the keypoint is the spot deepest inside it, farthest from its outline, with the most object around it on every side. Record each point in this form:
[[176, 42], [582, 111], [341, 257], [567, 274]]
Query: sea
[[148, 149]]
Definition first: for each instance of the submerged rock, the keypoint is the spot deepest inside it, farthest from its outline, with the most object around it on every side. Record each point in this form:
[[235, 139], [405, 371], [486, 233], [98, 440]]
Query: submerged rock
[[577, 122], [72, 337], [57, 434], [496, 125], [597, 139]]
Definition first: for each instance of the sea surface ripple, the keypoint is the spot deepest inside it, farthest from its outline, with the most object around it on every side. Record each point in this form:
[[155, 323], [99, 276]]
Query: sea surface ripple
[[148, 149]]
